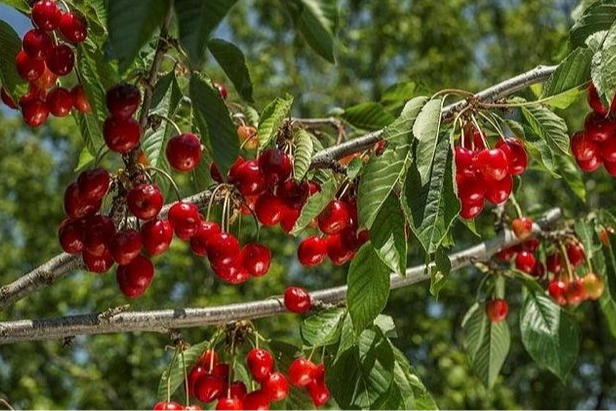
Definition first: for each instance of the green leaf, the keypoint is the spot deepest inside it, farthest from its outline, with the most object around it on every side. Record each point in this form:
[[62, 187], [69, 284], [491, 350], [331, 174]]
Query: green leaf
[[597, 17], [20, 5], [572, 175], [9, 77], [316, 20], [196, 20], [439, 271], [213, 119], [585, 231], [395, 96], [272, 117], [610, 265], [548, 334], [315, 204], [382, 173], [173, 376], [388, 234], [302, 155], [85, 159], [486, 343], [603, 68], [323, 328], [131, 25], [426, 131], [368, 282], [95, 13], [565, 83], [608, 308], [363, 373], [414, 392], [386, 324], [432, 207], [368, 116], [549, 127], [232, 61]]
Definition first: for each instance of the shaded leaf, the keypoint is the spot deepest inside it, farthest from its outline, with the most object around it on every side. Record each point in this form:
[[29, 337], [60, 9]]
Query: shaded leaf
[[232, 61], [603, 68], [367, 116], [395, 96], [315, 204], [9, 77], [388, 235], [272, 117], [572, 175], [597, 17], [414, 392], [426, 131], [173, 375], [439, 271], [316, 20]]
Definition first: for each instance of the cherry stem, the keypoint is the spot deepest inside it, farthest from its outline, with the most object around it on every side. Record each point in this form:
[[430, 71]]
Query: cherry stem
[[211, 202], [311, 353], [493, 124], [499, 287], [516, 205], [170, 179], [6, 404], [454, 91], [568, 267], [170, 121], [482, 283], [483, 137]]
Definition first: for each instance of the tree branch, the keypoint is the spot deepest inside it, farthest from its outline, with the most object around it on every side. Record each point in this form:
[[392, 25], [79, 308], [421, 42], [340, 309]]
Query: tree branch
[[60, 265], [165, 320]]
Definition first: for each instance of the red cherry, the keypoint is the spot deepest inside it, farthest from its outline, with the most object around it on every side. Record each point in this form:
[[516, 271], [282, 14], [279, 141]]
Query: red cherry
[[589, 165], [44, 82], [595, 102], [28, 68], [6, 99], [93, 184], [582, 147], [554, 263], [599, 128], [334, 217], [99, 229], [121, 134], [471, 187], [229, 404], [556, 289], [575, 292], [522, 227], [260, 363], [75, 205], [37, 44], [297, 300], [167, 405], [268, 209], [256, 259], [237, 389], [215, 173], [209, 359], [73, 27], [46, 14], [61, 60], [195, 373], [247, 177], [248, 137], [492, 163], [145, 201], [275, 165], [97, 264], [302, 371], [193, 407], [198, 242], [125, 246], [498, 191], [525, 261], [516, 155], [608, 149], [222, 248], [470, 209], [337, 251], [497, 310], [593, 285], [71, 234], [185, 219], [288, 218], [60, 102], [275, 387], [463, 157], [122, 100], [312, 251], [319, 393], [184, 152], [221, 89], [575, 253], [232, 272], [507, 254], [34, 110], [135, 277], [156, 236], [294, 194], [256, 400], [610, 167], [80, 100], [210, 387]]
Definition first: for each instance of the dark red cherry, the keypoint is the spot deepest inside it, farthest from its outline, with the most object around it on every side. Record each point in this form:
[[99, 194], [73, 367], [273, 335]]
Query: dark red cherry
[[121, 134], [215, 173], [256, 400], [61, 60], [554, 263], [94, 183], [294, 194], [599, 128], [610, 167], [7, 99], [60, 102], [37, 44], [221, 89], [525, 261], [237, 389], [210, 387], [595, 102], [302, 372], [122, 100], [125, 246], [471, 187], [99, 229], [269, 208], [71, 234], [498, 191], [247, 177], [256, 259], [334, 217], [34, 110], [556, 289], [337, 250], [492, 163], [288, 218], [156, 236], [516, 155], [28, 68], [184, 152], [97, 264], [312, 251], [297, 300], [198, 242], [222, 248], [46, 14], [73, 27], [260, 363], [75, 205], [275, 386], [575, 253], [229, 404], [145, 201], [80, 100], [608, 149], [275, 165], [582, 147], [497, 310], [575, 292], [185, 219], [135, 277]]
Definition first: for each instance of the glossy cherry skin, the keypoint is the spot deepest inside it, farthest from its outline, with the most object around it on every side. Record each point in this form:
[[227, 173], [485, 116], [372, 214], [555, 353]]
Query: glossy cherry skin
[[46, 14], [198, 242], [595, 102], [28, 68], [269, 208], [297, 300], [121, 134], [288, 218], [470, 209], [554, 263], [221, 89], [256, 400], [607, 150], [582, 147], [75, 205], [334, 217], [61, 60], [294, 194], [122, 100], [93, 183], [210, 387], [80, 100], [256, 259], [522, 227], [275, 165], [238, 389], [497, 310], [610, 167], [556, 289], [248, 179], [185, 219], [260, 363], [97, 264], [37, 44], [302, 372], [575, 292], [99, 230], [516, 155], [319, 393], [71, 234], [229, 404], [525, 261], [599, 128], [312, 251], [222, 248], [215, 173], [125, 246], [135, 277], [498, 191], [184, 152], [60, 102], [575, 253], [471, 186], [73, 27], [167, 405], [156, 236], [338, 251], [145, 201], [275, 386], [232, 272], [464, 158], [492, 163], [589, 165], [34, 110]]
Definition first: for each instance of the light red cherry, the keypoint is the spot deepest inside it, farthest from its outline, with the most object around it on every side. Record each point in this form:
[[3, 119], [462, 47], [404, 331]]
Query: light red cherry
[[589, 165], [237, 389], [269, 208], [229, 404], [256, 400], [256, 259], [471, 209], [334, 217], [210, 387], [34, 110], [492, 163], [145, 201], [275, 386], [516, 155], [319, 393], [575, 292], [260, 363], [522, 227], [73, 27], [297, 300], [497, 310], [312, 251], [301, 372], [223, 248], [233, 272], [167, 405], [121, 134], [135, 277], [556, 289], [80, 100], [575, 253], [61, 60], [525, 261], [582, 147], [156, 236], [499, 191], [184, 152]]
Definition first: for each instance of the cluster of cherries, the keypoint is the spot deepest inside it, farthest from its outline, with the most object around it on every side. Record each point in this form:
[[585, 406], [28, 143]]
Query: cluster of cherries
[[211, 380], [596, 144], [41, 61], [485, 174]]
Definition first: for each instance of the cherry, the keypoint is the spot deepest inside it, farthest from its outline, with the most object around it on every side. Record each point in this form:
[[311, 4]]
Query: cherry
[[554, 263], [463, 158], [80, 100], [229, 404], [232, 272], [604, 235], [492, 163], [302, 372], [556, 289], [46, 14], [97, 264], [209, 359], [222, 248], [121, 133], [337, 250], [73, 27], [145, 201], [61, 60], [471, 209], [608, 150], [215, 173], [125, 246], [319, 393], [248, 137], [122, 100], [256, 400], [198, 242], [6, 99], [275, 165], [37, 44], [575, 253], [28, 68], [379, 147], [248, 179], [34, 110], [288, 218], [530, 245], [256, 259], [516, 155], [135, 277], [498, 191], [599, 128], [312, 251], [260, 363], [610, 167], [589, 165], [76, 206], [522, 227], [275, 387], [525, 261], [210, 387], [582, 147], [297, 300], [185, 219], [156, 236], [167, 405], [595, 102], [99, 229], [269, 208], [497, 310], [70, 235], [507, 254], [294, 194], [184, 152], [334, 217], [221, 89], [60, 102], [93, 184], [44, 82], [575, 292], [193, 407], [593, 285], [471, 187]]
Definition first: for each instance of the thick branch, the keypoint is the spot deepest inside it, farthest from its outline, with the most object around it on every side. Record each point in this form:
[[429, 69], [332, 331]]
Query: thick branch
[[165, 320]]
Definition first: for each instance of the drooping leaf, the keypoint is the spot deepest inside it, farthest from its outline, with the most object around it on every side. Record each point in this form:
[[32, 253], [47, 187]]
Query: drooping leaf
[[382, 173], [549, 335], [213, 119], [395, 96], [603, 68], [565, 83], [597, 17], [85, 160], [388, 234], [414, 392], [173, 375], [549, 127], [368, 116], [585, 232], [316, 20], [302, 154], [572, 175], [323, 328], [386, 324], [439, 271], [131, 25], [272, 117], [368, 282], [431, 207], [608, 308], [9, 77], [315, 204], [609, 259], [426, 130], [231, 59]]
